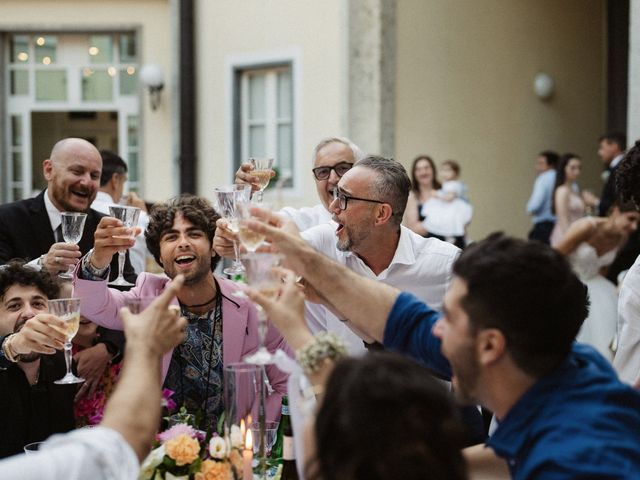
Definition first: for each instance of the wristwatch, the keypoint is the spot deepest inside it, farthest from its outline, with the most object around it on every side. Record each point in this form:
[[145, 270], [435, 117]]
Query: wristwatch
[[7, 351]]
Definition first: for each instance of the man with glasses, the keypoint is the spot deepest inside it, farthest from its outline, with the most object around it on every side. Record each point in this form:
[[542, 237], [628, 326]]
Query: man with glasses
[[332, 158], [367, 237]]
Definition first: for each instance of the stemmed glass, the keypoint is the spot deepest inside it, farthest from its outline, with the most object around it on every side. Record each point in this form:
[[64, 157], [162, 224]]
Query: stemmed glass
[[262, 277], [262, 168], [72, 228], [67, 310], [227, 200], [129, 217]]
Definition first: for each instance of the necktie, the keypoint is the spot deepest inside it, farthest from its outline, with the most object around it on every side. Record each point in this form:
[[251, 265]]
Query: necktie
[[58, 234]]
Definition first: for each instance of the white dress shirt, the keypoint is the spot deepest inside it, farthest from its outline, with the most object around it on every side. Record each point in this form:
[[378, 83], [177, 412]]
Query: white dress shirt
[[98, 453], [307, 217], [627, 358], [137, 253], [421, 266]]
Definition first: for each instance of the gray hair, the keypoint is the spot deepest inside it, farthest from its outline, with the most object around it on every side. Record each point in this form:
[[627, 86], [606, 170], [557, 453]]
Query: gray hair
[[355, 150], [391, 185]]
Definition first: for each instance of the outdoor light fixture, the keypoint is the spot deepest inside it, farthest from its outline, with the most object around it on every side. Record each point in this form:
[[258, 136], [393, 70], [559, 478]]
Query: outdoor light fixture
[[543, 86], [151, 77]]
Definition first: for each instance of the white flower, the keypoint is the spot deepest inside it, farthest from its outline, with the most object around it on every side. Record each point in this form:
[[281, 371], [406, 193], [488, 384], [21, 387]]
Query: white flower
[[605, 175], [218, 448], [150, 463], [236, 437], [170, 476]]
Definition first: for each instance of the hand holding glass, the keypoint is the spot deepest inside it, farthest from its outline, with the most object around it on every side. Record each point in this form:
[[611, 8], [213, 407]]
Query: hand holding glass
[[226, 202], [72, 229], [129, 218], [67, 310]]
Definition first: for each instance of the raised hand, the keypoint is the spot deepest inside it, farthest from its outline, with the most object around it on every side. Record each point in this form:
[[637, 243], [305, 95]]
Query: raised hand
[[111, 237], [223, 239], [43, 333], [60, 257]]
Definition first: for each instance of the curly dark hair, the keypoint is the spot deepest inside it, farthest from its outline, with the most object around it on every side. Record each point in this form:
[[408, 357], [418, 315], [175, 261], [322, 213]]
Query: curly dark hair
[[384, 416], [628, 177], [529, 292], [195, 209], [17, 272]]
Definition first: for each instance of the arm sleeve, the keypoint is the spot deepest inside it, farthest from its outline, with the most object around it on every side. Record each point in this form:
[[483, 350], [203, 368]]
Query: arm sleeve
[[409, 331], [537, 197]]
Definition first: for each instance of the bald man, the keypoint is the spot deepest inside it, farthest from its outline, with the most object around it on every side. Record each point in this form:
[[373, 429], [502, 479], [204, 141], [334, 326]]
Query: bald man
[[28, 231]]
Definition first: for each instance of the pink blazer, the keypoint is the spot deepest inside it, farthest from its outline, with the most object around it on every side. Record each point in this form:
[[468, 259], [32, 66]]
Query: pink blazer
[[101, 304]]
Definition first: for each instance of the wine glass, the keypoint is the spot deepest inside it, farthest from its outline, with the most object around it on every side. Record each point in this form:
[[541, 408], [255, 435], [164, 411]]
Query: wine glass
[[72, 228], [250, 239], [67, 310], [129, 217], [271, 430], [262, 277], [226, 201], [262, 169]]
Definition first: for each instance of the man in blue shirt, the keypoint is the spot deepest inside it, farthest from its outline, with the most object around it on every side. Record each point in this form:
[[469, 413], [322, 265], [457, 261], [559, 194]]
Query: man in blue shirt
[[506, 336], [539, 204]]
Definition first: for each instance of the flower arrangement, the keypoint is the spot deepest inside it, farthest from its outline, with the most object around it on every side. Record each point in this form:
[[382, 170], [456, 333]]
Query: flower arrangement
[[184, 453]]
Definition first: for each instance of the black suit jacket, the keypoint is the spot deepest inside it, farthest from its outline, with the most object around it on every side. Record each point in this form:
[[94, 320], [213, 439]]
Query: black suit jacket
[[608, 193], [25, 232]]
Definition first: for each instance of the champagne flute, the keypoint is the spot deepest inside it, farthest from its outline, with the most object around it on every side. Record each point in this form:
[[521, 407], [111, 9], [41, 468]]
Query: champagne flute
[[262, 277], [67, 310], [72, 228], [226, 201], [262, 168], [129, 217]]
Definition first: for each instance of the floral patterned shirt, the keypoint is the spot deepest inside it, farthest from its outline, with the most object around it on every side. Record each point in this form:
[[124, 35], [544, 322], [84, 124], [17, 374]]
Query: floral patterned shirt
[[195, 372]]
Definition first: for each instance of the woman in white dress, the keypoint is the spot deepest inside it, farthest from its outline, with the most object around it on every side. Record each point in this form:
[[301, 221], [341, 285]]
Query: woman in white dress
[[591, 245]]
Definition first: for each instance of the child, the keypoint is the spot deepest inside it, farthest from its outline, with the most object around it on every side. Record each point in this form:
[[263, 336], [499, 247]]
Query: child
[[448, 212]]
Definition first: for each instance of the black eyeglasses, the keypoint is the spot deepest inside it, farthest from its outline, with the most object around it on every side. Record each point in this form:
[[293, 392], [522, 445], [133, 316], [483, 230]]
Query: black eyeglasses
[[342, 199], [322, 173]]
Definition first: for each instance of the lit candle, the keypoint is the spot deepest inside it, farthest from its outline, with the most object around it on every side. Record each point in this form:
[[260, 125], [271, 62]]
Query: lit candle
[[247, 457]]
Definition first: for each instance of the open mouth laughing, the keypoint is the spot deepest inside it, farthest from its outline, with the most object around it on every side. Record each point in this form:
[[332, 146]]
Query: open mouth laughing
[[185, 260]]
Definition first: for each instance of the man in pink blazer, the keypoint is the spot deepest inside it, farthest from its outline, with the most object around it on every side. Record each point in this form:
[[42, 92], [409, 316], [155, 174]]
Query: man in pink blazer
[[222, 328]]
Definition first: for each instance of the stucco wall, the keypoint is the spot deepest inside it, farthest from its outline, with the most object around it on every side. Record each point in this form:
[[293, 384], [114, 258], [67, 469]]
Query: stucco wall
[[464, 91], [310, 31]]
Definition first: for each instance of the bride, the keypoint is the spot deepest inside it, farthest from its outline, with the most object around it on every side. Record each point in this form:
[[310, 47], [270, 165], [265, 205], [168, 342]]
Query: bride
[[591, 245]]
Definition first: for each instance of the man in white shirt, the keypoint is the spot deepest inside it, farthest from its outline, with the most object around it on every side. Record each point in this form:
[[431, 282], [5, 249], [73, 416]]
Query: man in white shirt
[[368, 205], [114, 176], [113, 450], [331, 158]]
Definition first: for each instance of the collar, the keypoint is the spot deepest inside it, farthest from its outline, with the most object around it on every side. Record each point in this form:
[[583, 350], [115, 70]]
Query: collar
[[582, 369], [54, 214], [614, 163], [404, 254], [104, 197]]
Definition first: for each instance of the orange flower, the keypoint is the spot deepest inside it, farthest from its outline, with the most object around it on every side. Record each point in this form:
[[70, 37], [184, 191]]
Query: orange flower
[[183, 449], [211, 470]]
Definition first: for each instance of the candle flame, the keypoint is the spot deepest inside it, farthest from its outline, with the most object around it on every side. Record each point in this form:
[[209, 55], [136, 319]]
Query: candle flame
[[243, 429], [248, 443]]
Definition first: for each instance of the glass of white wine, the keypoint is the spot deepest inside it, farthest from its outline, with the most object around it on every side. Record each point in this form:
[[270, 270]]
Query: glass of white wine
[[262, 169], [250, 239], [72, 228], [67, 310], [261, 275]]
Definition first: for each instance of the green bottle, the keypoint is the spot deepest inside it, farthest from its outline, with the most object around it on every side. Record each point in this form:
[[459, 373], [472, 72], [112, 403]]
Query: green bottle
[[285, 423]]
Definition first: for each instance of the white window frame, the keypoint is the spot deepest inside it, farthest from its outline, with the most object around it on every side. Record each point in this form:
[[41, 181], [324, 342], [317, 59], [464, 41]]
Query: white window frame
[[234, 65]]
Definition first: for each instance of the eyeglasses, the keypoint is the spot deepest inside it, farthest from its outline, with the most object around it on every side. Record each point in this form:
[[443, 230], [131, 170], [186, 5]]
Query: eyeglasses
[[342, 199], [322, 173]]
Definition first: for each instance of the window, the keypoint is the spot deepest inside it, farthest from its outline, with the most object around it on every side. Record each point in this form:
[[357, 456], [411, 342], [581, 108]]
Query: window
[[266, 118]]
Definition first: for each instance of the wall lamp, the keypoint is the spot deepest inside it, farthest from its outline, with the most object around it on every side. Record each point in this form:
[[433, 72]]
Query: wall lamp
[[544, 86], [151, 77]]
